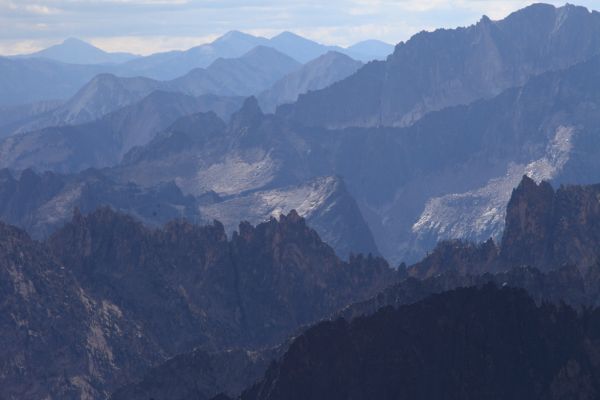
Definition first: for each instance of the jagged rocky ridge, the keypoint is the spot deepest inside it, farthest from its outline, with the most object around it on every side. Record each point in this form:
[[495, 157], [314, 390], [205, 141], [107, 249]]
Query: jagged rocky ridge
[[410, 183], [27, 79], [251, 73], [136, 296], [103, 142]]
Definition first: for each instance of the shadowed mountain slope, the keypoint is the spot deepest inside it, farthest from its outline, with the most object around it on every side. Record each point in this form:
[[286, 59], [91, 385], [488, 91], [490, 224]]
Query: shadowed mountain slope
[[496, 342]]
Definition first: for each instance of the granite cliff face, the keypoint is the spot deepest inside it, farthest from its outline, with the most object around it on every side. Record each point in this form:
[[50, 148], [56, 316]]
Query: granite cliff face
[[496, 342], [547, 227]]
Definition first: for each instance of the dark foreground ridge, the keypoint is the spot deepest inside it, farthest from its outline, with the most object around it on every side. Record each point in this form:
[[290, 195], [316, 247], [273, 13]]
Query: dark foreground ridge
[[485, 343]]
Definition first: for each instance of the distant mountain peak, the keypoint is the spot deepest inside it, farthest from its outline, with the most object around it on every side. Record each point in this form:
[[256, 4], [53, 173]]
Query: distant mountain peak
[[235, 35], [289, 35], [485, 19], [74, 40], [77, 51], [292, 217]]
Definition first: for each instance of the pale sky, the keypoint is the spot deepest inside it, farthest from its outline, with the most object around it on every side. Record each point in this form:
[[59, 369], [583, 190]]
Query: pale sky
[[148, 26]]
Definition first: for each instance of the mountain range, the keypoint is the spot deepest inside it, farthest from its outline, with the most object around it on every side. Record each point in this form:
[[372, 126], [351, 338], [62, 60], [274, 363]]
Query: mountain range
[[453, 168], [233, 44], [58, 72], [275, 218], [252, 73]]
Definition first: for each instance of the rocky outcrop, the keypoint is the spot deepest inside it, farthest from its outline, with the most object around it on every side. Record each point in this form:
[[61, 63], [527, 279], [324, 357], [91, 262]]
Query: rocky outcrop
[[547, 228]]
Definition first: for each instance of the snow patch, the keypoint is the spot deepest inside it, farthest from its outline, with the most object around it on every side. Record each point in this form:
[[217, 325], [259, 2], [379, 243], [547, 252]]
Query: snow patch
[[236, 175], [479, 214], [258, 207]]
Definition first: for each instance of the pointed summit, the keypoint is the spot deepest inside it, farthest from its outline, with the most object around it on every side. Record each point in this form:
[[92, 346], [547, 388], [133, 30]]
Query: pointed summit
[[250, 115], [235, 43], [77, 51]]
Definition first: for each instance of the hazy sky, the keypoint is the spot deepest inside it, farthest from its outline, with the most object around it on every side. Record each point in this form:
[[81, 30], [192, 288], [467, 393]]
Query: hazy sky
[[146, 26]]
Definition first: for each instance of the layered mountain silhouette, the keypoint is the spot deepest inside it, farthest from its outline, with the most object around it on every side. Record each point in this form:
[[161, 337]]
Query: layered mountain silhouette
[[42, 203], [180, 377], [254, 167], [56, 73], [453, 170], [233, 44], [104, 141], [104, 297], [251, 73], [470, 154], [446, 176]]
